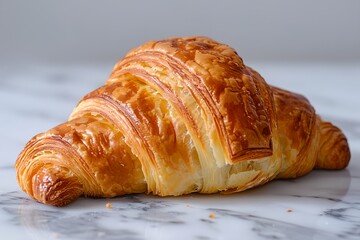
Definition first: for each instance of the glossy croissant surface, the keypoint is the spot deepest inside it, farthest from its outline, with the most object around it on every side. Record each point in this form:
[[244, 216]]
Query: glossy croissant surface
[[178, 116]]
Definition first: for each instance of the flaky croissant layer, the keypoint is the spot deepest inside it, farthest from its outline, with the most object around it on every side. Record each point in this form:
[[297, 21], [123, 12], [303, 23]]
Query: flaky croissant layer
[[178, 116]]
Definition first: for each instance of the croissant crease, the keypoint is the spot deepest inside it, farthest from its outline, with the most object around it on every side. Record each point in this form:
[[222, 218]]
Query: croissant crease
[[178, 116]]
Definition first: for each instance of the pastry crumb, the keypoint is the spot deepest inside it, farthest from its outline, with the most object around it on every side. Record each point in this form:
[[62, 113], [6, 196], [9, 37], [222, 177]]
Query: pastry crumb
[[188, 205], [289, 210], [212, 215], [108, 205]]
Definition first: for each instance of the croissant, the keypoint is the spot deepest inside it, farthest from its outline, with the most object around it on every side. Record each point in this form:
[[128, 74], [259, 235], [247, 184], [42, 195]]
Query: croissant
[[178, 116]]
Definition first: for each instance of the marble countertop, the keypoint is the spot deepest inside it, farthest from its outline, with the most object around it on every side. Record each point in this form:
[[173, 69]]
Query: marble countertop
[[320, 205]]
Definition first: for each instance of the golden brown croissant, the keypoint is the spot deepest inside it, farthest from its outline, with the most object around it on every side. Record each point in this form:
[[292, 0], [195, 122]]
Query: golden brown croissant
[[178, 116]]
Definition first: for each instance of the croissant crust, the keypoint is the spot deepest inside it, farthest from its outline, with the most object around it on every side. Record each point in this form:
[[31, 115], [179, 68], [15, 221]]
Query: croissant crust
[[177, 116]]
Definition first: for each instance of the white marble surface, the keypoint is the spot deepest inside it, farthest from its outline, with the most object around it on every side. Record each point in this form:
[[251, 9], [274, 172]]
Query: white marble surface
[[323, 204]]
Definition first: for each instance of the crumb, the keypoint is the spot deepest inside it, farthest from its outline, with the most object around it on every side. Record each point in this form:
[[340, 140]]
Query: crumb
[[212, 215], [289, 210], [108, 205], [188, 205]]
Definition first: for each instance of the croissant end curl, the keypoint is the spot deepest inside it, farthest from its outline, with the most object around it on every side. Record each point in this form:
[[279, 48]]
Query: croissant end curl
[[178, 116]]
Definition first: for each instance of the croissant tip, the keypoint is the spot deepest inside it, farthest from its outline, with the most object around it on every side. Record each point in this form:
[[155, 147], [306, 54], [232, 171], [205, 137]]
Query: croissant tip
[[334, 151], [54, 187]]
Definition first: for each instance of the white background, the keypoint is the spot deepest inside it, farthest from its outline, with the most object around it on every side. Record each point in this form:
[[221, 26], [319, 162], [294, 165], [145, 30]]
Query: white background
[[103, 31]]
